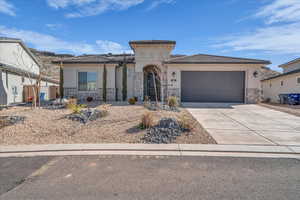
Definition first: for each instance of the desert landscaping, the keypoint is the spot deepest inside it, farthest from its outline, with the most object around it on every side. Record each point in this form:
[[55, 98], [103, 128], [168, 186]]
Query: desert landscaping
[[121, 124]]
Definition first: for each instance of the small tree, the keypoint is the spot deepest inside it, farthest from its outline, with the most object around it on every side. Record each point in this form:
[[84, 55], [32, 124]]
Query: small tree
[[104, 83], [124, 80], [61, 80]]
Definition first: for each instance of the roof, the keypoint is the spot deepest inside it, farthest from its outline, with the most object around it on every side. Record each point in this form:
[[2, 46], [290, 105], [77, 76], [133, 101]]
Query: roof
[[21, 72], [96, 59], [290, 62], [152, 42], [175, 59], [213, 59], [15, 40], [284, 74]]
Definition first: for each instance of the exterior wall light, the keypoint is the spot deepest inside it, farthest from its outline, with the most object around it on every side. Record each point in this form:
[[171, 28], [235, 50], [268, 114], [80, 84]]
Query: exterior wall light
[[255, 74]]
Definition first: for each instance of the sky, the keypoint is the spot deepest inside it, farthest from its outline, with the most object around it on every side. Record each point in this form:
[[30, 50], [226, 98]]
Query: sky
[[260, 29]]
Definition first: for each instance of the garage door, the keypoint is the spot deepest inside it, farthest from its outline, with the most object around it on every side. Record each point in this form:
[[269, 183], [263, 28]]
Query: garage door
[[212, 86]]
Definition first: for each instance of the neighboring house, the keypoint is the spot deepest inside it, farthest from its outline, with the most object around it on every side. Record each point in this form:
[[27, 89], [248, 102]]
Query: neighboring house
[[196, 78], [285, 83], [18, 66]]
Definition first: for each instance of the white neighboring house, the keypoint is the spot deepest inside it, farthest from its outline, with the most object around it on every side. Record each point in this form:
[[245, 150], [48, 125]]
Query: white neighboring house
[[195, 78], [18, 67], [286, 83]]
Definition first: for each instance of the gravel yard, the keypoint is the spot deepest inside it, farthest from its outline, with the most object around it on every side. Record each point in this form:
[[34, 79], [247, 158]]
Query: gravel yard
[[43, 126]]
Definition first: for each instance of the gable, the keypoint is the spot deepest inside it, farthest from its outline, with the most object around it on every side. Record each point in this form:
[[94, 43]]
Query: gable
[[14, 54]]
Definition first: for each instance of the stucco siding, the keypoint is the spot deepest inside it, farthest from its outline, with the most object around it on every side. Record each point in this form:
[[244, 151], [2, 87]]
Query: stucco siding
[[272, 88], [14, 54], [71, 80], [291, 67]]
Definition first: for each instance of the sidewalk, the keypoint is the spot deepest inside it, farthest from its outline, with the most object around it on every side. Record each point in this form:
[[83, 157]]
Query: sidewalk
[[151, 150]]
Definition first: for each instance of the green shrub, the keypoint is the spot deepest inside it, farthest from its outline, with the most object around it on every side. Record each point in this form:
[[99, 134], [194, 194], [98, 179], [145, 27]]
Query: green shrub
[[76, 108], [132, 101], [147, 121], [173, 102]]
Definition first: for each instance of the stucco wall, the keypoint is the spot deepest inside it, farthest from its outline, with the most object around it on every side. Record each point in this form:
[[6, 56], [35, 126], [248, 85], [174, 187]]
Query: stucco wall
[[71, 79], [12, 87], [252, 84], [291, 67], [13, 54], [272, 88], [145, 55]]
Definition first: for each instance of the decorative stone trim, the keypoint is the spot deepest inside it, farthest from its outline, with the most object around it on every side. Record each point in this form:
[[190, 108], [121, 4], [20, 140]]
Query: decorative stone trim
[[174, 92], [252, 95]]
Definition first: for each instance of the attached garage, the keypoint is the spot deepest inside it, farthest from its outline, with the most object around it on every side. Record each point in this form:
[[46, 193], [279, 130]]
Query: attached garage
[[213, 86]]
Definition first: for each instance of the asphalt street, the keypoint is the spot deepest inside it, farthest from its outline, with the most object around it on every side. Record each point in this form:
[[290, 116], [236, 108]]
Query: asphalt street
[[149, 177]]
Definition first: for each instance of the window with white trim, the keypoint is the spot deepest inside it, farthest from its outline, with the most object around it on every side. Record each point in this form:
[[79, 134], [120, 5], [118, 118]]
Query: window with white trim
[[298, 80], [87, 81]]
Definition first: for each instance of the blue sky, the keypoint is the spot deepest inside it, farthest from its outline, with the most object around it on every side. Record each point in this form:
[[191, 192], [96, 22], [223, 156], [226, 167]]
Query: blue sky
[[262, 29]]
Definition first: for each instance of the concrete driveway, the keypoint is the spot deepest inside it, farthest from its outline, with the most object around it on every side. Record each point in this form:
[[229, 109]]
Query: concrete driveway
[[247, 124]]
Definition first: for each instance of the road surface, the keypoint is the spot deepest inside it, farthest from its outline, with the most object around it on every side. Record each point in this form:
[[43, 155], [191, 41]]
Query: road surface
[[155, 177]]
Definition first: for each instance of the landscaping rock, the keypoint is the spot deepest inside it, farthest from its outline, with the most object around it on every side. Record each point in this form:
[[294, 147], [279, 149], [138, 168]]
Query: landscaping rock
[[85, 115], [57, 104], [10, 120], [155, 107], [167, 130]]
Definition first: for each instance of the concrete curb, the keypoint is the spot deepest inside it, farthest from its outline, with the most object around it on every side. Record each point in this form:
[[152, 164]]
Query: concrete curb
[[150, 149]]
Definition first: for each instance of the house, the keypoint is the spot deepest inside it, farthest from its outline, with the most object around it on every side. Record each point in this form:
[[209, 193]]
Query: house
[[195, 78], [18, 67], [285, 83]]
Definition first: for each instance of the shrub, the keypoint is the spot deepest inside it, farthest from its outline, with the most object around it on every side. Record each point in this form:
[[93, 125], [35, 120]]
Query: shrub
[[146, 99], [104, 110], [136, 99], [76, 108], [147, 121], [186, 123], [131, 101], [89, 99], [267, 100], [72, 101], [173, 102]]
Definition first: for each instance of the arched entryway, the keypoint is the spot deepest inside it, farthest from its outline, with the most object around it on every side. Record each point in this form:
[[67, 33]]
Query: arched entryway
[[152, 83]]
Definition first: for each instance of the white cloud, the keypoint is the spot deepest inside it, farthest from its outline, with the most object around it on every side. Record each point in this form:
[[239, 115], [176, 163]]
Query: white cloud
[[65, 3], [111, 47], [85, 8], [273, 37], [51, 43], [7, 8], [280, 11], [276, 39], [157, 3]]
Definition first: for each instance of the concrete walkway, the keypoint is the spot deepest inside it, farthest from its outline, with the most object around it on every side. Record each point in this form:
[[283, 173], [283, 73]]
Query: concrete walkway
[[247, 124]]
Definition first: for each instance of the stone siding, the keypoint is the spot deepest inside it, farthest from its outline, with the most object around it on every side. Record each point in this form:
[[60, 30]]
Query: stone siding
[[253, 95]]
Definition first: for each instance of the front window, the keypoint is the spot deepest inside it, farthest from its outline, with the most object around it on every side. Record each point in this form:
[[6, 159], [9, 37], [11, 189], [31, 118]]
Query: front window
[[87, 81], [298, 80]]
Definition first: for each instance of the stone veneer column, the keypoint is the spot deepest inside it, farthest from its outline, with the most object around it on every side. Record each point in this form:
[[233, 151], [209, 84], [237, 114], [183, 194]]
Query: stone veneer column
[[138, 85], [252, 95]]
